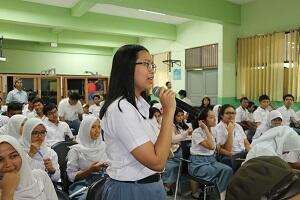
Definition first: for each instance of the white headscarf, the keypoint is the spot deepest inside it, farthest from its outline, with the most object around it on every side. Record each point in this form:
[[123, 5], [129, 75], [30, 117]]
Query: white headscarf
[[29, 125], [29, 188], [14, 125], [216, 111], [264, 127], [89, 149], [275, 141]]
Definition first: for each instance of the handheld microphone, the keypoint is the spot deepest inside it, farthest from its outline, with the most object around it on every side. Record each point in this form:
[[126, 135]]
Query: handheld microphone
[[180, 104]]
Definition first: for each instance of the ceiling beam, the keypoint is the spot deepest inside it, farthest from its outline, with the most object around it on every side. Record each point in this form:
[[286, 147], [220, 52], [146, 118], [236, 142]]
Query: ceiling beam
[[33, 14], [220, 11], [83, 7], [47, 35]]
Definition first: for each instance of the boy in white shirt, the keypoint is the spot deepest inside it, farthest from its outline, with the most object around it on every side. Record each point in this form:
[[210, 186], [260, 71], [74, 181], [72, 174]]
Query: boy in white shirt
[[289, 117], [95, 108], [261, 114]]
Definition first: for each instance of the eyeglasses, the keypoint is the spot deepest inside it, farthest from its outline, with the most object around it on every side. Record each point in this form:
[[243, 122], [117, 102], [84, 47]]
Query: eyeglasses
[[229, 113], [150, 66], [38, 133]]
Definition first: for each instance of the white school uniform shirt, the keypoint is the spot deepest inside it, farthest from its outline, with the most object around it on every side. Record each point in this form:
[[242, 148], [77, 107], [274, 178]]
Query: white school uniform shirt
[[4, 129], [123, 132], [187, 100], [34, 115], [95, 110], [57, 133], [238, 139], [27, 112], [87, 151], [69, 112], [178, 136], [261, 115], [241, 115], [292, 157], [287, 114], [199, 136], [3, 120]]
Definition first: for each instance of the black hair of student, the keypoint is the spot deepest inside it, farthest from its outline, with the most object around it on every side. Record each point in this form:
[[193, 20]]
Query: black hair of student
[[48, 107], [288, 95], [153, 110], [36, 100], [74, 96], [151, 103], [182, 93], [182, 125], [222, 110], [243, 98], [121, 82], [250, 103], [96, 95], [167, 83], [263, 97], [202, 102], [14, 106], [31, 97], [202, 116]]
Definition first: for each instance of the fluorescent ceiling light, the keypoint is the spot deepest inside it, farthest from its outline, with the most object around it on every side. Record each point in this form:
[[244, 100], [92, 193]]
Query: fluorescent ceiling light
[[152, 12], [2, 59], [53, 44]]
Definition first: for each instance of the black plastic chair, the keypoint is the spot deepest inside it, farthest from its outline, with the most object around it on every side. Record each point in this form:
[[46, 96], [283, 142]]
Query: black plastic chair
[[62, 149], [95, 190], [61, 195]]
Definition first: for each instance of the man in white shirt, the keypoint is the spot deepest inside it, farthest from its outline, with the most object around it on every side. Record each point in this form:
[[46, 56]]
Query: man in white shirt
[[17, 94], [38, 108], [95, 108], [289, 117], [242, 118], [56, 130], [70, 110], [261, 114], [183, 97]]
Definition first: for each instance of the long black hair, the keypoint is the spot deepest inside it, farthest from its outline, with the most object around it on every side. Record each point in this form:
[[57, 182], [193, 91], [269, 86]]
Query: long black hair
[[121, 82], [181, 125], [202, 116]]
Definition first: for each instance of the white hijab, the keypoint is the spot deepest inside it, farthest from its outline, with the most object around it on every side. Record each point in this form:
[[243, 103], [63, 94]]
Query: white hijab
[[89, 149], [264, 127], [216, 112], [275, 141], [29, 188], [14, 125], [29, 125]]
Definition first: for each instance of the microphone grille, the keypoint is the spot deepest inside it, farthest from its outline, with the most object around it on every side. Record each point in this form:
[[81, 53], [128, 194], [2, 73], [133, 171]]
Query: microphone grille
[[155, 91]]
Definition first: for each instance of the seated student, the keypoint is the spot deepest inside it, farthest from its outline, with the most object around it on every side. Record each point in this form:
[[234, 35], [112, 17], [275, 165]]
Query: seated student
[[155, 119], [251, 108], [290, 118], [95, 108], [15, 126], [242, 118], [87, 159], [180, 133], [183, 97], [38, 106], [260, 115], [205, 102], [28, 109], [204, 164], [56, 130], [277, 141], [18, 181], [13, 108], [274, 119], [86, 111], [231, 138], [40, 156]]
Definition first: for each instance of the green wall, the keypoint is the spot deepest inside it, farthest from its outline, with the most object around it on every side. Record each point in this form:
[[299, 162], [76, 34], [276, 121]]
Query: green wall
[[267, 16], [26, 61], [189, 34]]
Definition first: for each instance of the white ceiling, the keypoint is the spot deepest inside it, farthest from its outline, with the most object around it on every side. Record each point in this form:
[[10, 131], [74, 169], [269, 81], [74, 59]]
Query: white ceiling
[[135, 13], [240, 1], [59, 3]]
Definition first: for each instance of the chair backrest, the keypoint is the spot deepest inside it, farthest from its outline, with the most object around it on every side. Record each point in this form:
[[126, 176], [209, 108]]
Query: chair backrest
[[61, 195], [95, 190], [62, 149]]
